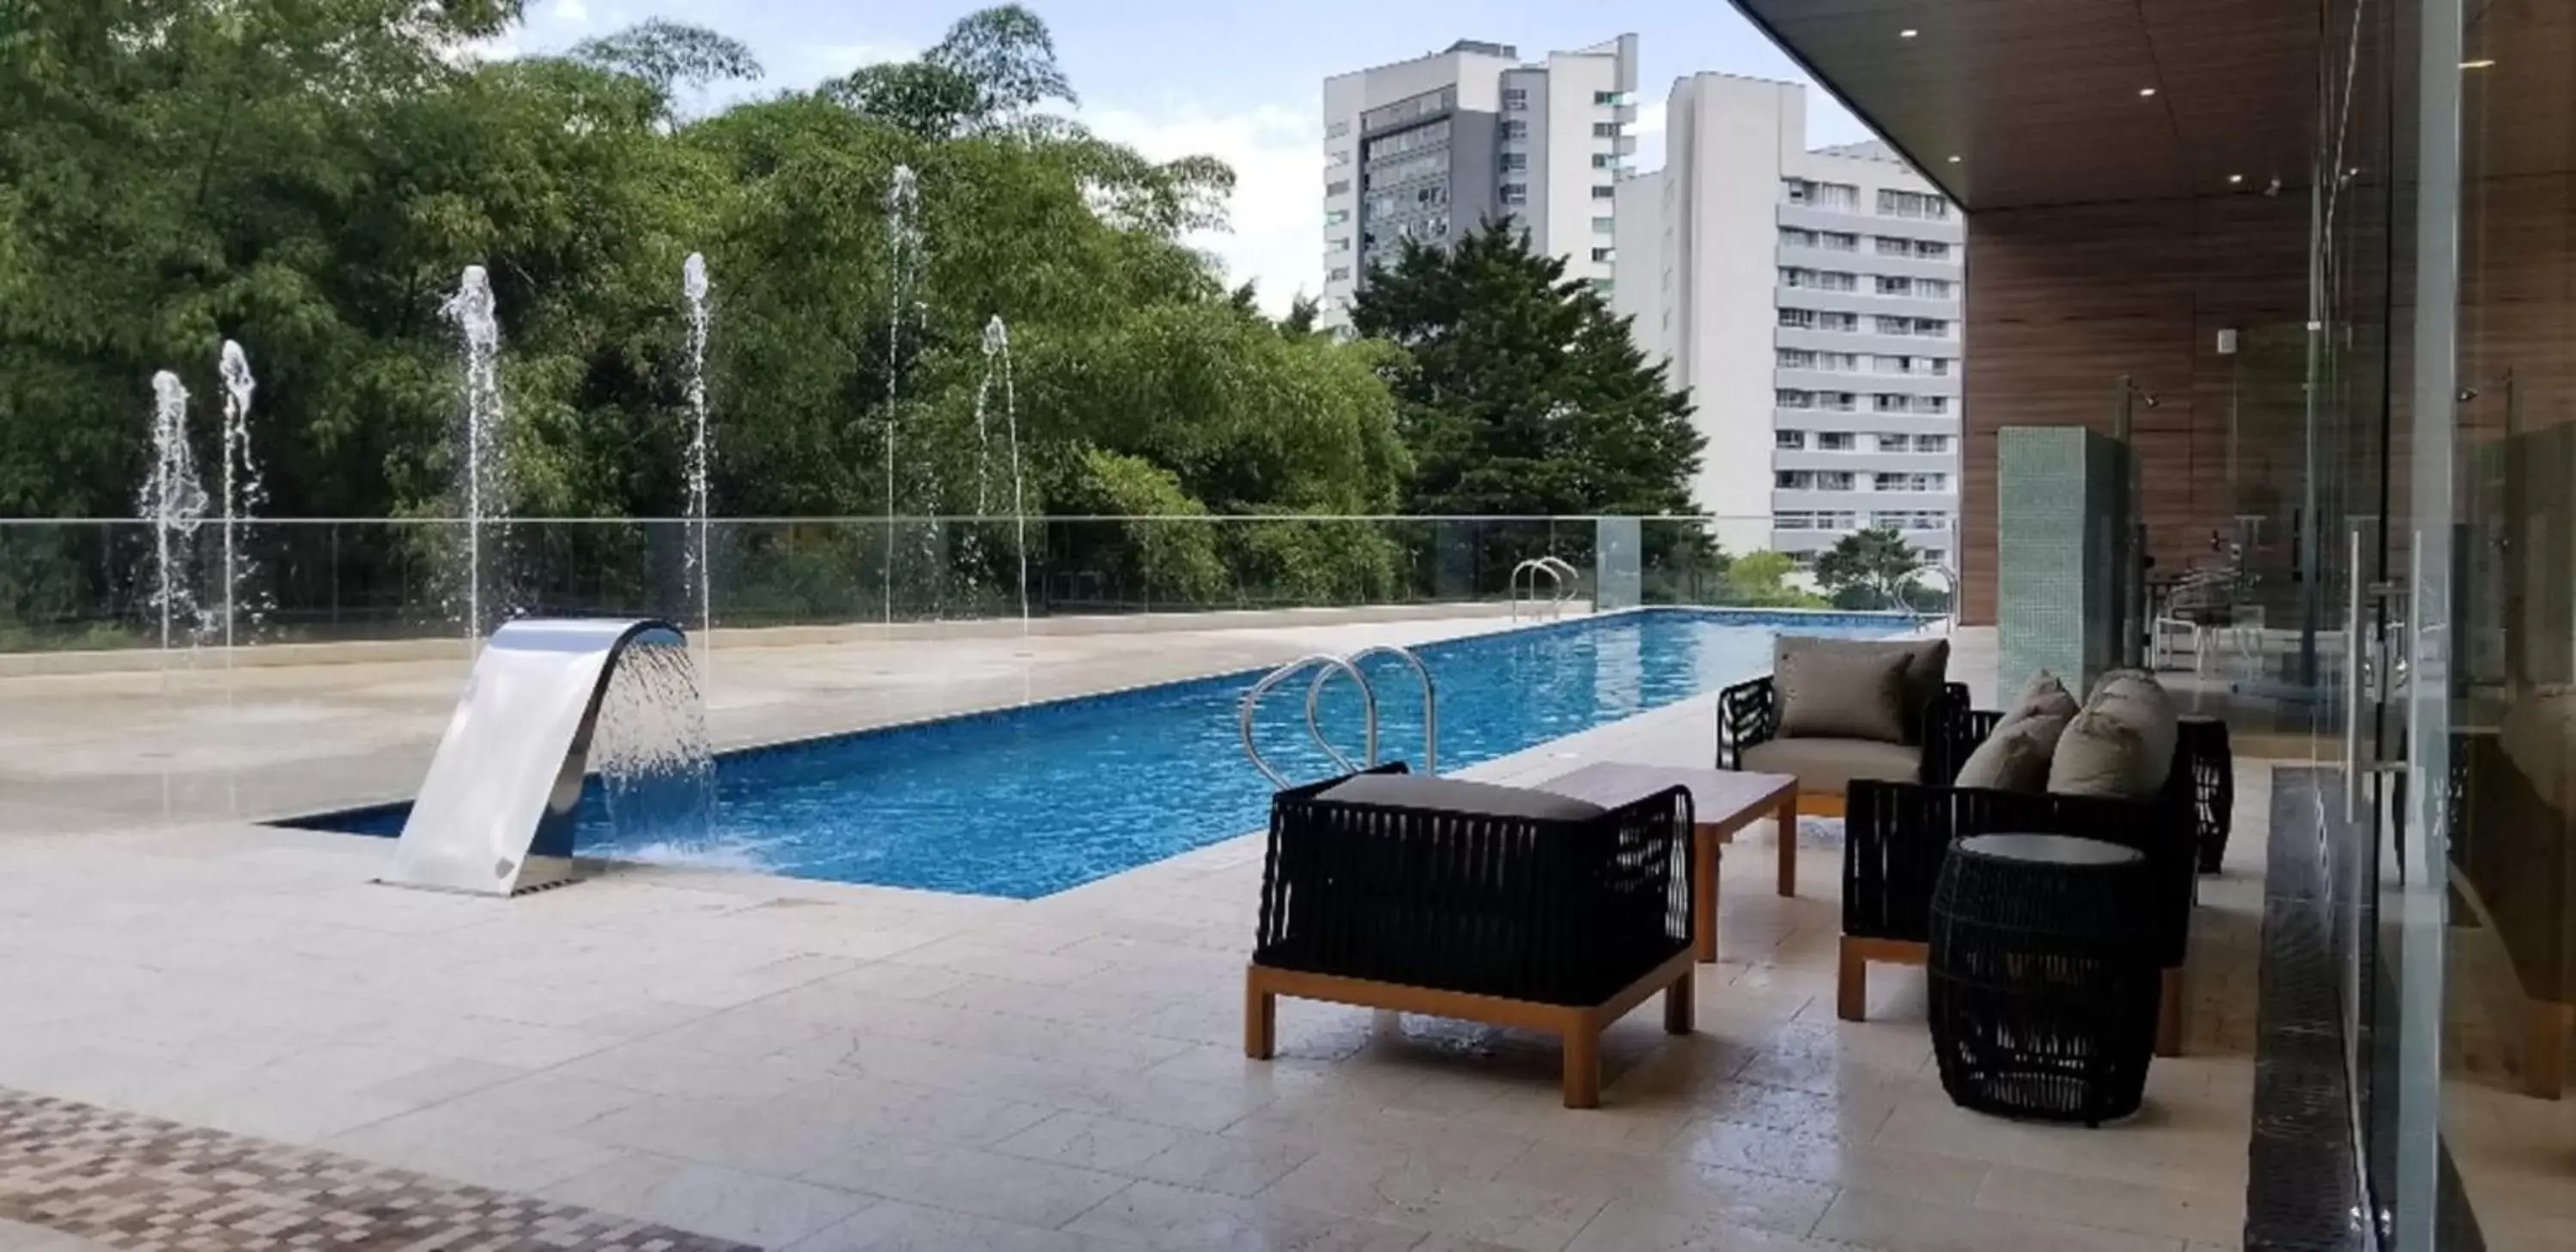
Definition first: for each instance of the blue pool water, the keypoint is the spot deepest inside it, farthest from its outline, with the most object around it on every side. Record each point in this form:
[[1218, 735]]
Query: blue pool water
[[1027, 802]]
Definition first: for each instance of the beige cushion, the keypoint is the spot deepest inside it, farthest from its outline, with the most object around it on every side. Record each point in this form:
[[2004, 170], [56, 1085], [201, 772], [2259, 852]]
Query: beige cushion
[[1841, 695], [2135, 697], [1450, 795], [2102, 754], [2015, 757], [2043, 696], [1827, 766], [1927, 667]]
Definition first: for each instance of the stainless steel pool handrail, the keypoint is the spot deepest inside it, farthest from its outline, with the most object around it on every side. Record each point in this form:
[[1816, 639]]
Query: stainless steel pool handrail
[[1534, 567], [1430, 701], [1569, 582], [1252, 700]]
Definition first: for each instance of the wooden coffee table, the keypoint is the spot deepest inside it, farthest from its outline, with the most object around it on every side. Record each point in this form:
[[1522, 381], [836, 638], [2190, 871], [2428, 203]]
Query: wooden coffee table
[[1722, 803]]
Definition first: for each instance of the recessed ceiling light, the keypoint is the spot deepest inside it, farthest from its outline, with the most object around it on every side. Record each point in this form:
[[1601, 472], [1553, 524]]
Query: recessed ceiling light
[[2146, 91], [1954, 160], [2236, 178], [2478, 65], [1908, 33]]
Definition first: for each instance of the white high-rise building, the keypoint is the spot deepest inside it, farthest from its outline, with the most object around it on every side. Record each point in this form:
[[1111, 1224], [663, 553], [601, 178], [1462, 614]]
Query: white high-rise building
[[1427, 148], [1810, 302]]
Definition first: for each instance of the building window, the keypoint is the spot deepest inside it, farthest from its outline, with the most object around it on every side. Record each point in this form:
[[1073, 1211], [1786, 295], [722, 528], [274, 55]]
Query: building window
[[1792, 237], [1912, 204], [1515, 129], [1798, 319], [1335, 217], [1338, 243], [1839, 241], [1932, 289], [1835, 480], [1339, 274], [1895, 286], [1838, 321], [1337, 158], [1605, 254], [1845, 362], [1789, 399], [1838, 401], [1604, 225], [1894, 443], [1605, 193], [1793, 480], [1797, 359], [1605, 160], [1819, 280], [1513, 161], [1789, 440], [1515, 99], [1605, 130], [1932, 249], [1890, 245], [1910, 482], [1602, 287], [1337, 130], [1840, 197], [1605, 97], [1834, 441], [1932, 443], [1338, 187], [1515, 193]]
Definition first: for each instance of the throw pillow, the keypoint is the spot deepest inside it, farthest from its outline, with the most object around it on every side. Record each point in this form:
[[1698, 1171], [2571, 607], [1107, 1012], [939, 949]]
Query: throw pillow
[[2015, 757], [2100, 754], [1842, 694], [1927, 668], [2044, 696], [2135, 697]]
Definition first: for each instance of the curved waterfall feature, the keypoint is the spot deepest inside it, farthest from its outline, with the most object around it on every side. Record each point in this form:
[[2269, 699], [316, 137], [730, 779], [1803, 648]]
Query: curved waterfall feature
[[495, 816]]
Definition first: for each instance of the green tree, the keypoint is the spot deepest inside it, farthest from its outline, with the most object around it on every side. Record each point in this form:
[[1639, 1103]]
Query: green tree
[[1869, 569], [1761, 580], [1524, 393]]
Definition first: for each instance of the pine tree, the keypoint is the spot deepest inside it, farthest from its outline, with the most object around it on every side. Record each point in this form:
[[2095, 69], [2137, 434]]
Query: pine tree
[[1524, 393]]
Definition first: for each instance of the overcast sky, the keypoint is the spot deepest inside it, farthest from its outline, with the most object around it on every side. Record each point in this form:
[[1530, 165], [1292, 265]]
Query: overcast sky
[[1239, 81]]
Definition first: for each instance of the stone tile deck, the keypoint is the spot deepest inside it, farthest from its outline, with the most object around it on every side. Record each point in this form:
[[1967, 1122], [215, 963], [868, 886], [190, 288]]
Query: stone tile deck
[[827, 1068]]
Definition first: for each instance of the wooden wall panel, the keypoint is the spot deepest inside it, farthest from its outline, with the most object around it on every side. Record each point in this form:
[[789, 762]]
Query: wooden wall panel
[[2062, 301]]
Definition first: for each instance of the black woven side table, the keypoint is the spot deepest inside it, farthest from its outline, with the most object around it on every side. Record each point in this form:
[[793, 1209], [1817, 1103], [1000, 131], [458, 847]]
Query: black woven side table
[[2044, 977]]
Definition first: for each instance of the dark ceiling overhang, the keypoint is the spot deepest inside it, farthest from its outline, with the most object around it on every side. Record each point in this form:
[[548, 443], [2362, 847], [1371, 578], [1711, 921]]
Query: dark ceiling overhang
[[2047, 101]]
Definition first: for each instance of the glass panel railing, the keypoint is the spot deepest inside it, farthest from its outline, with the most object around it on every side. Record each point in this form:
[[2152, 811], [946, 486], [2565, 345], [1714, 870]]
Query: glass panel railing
[[307, 664]]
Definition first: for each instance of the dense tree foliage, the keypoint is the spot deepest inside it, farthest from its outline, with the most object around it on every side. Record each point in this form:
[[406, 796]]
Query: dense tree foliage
[[1524, 393], [310, 176], [1869, 569]]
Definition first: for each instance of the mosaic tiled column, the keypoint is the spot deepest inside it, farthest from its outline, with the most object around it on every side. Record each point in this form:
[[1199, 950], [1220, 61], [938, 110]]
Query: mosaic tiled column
[[2056, 492]]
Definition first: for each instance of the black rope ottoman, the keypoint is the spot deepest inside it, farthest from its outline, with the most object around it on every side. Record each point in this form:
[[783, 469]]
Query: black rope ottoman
[[2044, 977]]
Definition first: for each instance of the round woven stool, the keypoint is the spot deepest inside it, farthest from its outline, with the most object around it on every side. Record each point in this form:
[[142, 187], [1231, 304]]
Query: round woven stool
[[2044, 977]]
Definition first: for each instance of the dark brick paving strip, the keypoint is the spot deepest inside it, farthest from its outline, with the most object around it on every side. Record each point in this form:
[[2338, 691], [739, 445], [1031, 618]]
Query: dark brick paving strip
[[145, 1185]]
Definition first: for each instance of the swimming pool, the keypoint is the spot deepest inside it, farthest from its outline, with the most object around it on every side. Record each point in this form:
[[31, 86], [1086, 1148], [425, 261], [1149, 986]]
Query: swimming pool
[[1029, 801]]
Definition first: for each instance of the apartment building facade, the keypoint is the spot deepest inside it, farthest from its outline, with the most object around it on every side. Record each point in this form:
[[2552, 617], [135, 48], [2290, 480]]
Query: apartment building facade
[[1809, 300], [1427, 148]]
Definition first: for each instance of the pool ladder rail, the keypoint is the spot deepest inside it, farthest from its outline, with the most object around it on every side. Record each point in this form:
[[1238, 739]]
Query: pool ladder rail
[[1326, 665], [1563, 584]]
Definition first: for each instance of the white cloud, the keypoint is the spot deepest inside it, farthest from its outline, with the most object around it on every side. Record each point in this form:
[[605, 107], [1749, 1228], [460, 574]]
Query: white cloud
[[570, 12], [1277, 153]]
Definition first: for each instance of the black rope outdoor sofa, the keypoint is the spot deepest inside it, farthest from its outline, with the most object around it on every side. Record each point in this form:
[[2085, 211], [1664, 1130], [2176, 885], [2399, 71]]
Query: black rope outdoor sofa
[[1896, 834], [1515, 908]]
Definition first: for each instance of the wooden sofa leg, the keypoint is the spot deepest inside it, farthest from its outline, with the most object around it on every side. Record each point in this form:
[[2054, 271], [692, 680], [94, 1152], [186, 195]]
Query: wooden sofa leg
[[2170, 997], [2544, 1049], [1851, 984], [1260, 1017], [1678, 998], [1583, 1064]]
